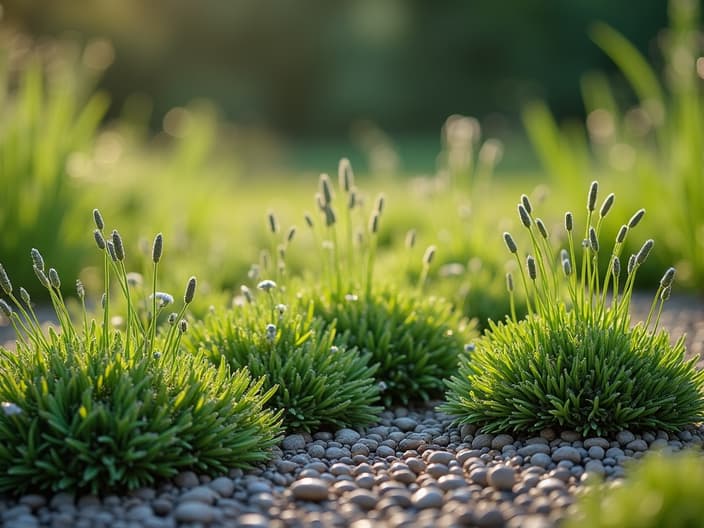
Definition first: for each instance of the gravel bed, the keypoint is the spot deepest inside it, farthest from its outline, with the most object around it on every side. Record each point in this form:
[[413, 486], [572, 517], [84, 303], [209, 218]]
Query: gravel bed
[[413, 468]]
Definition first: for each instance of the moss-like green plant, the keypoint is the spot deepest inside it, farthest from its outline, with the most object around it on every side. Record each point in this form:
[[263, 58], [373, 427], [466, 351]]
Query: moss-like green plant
[[662, 490], [320, 383], [98, 409], [578, 364], [416, 339]]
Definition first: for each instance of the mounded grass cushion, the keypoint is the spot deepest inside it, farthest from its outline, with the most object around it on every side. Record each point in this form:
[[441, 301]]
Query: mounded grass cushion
[[566, 372], [416, 339], [79, 416], [319, 383]]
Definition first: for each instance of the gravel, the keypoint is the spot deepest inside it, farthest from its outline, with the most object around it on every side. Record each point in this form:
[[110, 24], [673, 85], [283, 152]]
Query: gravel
[[412, 468]]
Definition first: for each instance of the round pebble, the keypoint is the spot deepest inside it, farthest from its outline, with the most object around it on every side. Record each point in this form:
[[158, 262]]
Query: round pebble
[[310, 489]]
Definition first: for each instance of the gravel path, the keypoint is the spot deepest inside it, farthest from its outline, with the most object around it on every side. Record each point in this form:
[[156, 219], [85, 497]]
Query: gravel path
[[411, 469]]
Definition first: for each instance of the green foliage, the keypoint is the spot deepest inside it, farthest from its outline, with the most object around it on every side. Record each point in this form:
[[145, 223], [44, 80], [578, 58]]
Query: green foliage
[[99, 409], [44, 120], [577, 364], [651, 150], [415, 339], [662, 490], [319, 383]]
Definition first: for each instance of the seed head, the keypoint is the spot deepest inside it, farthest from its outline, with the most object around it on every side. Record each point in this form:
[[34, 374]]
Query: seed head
[[411, 238], [325, 189], [532, 271], [509, 282], [98, 219], [564, 255], [631, 264], [134, 279], [164, 298], [665, 293], [526, 203], [117, 243], [5, 308], [281, 249], [266, 285], [37, 258], [190, 291], [309, 220], [172, 318], [644, 251], [569, 222], [111, 251], [156, 354], [270, 332], [469, 347], [523, 213], [329, 216], [541, 227], [273, 224], [334, 349], [291, 234], [616, 266], [593, 240], [281, 308], [99, 240], [621, 236], [374, 223], [43, 279], [428, 255], [80, 289], [591, 200], [667, 278], [352, 202], [319, 201], [606, 206], [5, 281], [567, 267], [157, 248], [510, 244], [379, 205], [11, 409], [183, 326], [24, 295], [636, 218], [344, 174], [104, 300], [247, 293], [253, 272]]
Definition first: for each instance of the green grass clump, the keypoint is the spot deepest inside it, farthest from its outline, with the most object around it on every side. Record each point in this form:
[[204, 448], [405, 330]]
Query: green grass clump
[[662, 490], [415, 339], [320, 383], [578, 364], [101, 409]]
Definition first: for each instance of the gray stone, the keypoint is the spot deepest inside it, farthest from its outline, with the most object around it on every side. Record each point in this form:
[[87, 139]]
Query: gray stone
[[596, 452], [310, 489], [293, 442], [550, 484], [532, 449], [427, 497], [440, 457], [33, 500], [501, 477], [202, 494], [405, 423], [500, 441], [347, 436], [596, 441], [363, 498], [140, 513], [385, 451], [482, 440], [637, 445], [195, 512], [566, 453], [624, 437], [451, 482], [334, 453], [187, 480], [570, 436], [541, 459], [479, 476], [253, 520], [316, 451], [223, 486], [489, 517], [162, 506], [359, 449], [614, 452]]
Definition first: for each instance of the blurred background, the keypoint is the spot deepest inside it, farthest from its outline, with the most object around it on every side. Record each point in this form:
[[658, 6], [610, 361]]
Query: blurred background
[[305, 80]]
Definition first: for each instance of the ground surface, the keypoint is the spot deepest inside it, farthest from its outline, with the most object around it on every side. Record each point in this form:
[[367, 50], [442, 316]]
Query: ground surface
[[413, 468]]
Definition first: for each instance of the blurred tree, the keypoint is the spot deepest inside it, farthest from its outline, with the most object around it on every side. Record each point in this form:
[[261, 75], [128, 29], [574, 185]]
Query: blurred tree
[[311, 67]]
